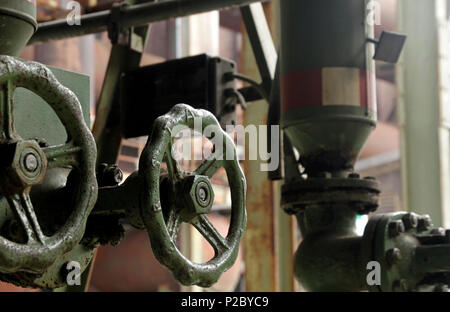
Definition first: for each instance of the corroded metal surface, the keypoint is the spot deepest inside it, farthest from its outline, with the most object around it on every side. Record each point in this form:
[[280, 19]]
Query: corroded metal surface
[[363, 195], [414, 255], [163, 226], [36, 250]]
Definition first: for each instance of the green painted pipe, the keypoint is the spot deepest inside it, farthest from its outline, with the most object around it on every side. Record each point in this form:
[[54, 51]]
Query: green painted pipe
[[17, 25], [329, 257], [327, 81], [133, 15]]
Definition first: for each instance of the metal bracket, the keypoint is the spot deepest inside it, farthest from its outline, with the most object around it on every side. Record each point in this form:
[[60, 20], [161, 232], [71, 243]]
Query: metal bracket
[[261, 42], [268, 64], [114, 25], [123, 36], [389, 47]]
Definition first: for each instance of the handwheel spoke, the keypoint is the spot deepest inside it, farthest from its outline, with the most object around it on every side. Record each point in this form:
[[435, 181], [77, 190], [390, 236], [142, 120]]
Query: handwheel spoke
[[65, 155], [6, 112], [209, 232], [209, 167], [173, 225], [22, 205]]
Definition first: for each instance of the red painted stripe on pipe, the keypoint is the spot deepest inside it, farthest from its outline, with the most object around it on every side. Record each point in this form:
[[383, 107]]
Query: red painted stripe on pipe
[[301, 88], [306, 88]]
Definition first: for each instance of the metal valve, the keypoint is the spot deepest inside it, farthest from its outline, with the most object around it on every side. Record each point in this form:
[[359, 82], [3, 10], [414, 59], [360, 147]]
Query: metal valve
[[413, 254], [159, 200], [33, 238], [163, 223]]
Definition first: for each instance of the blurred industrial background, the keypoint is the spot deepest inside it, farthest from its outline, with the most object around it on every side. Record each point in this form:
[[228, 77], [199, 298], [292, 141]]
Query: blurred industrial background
[[261, 266]]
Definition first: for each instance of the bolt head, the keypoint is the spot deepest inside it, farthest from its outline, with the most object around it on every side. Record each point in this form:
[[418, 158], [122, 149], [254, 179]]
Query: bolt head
[[113, 174], [410, 221], [395, 228], [30, 162], [109, 175], [393, 256], [202, 194], [424, 223]]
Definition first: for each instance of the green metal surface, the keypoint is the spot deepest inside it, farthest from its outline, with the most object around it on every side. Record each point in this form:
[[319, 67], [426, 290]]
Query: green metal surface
[[329, 138], [328, 258], [37, 246], [39, 120], [410, 251], [17, 25], [162, 220]]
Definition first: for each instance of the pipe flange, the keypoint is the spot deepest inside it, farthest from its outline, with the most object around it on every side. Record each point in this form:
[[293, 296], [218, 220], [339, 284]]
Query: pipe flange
[[360, 194], [393, 240]]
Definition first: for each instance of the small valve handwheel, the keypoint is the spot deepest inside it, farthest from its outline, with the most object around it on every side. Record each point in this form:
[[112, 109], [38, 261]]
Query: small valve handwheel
[[23, 164], [190, 197]]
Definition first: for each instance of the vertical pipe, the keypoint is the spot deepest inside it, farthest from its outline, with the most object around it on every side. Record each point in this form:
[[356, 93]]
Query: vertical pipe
[[328, 81]]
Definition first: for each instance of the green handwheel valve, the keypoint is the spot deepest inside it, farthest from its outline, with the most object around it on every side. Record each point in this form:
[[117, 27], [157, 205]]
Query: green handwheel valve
[[163, 220], [28, 243]]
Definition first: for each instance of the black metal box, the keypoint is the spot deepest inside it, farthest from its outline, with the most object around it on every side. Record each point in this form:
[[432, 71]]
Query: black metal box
[[151, 91]]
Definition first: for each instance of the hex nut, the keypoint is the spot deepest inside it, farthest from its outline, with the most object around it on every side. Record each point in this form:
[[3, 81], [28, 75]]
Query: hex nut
[[24, 165], [198, 194]]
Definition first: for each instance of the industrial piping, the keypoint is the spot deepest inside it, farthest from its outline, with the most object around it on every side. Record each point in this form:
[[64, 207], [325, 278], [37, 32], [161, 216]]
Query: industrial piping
[[328, 111], [131, 16]]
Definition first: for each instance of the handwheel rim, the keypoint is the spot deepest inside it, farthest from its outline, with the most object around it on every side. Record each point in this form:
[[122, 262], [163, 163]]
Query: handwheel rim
[[164, 248], [41, 81]]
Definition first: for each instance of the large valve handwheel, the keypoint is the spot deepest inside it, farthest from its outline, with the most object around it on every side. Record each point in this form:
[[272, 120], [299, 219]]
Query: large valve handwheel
[[190, 197], [23, 164]]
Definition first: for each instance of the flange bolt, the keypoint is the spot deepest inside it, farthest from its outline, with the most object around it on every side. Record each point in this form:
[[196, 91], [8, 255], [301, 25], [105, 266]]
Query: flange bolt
[[410, 221], [395, 228], [424, 224], [109, 175], [393, 256]]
